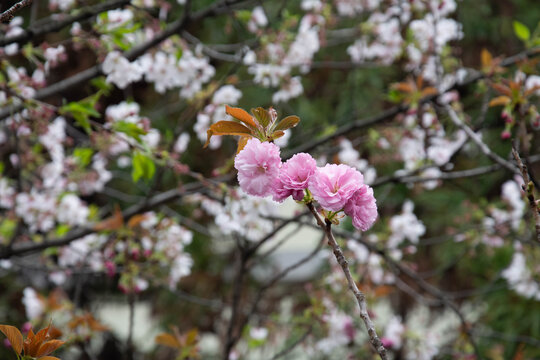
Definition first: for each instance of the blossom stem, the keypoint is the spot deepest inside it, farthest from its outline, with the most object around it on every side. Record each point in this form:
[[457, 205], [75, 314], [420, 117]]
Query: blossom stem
[[359, 295]]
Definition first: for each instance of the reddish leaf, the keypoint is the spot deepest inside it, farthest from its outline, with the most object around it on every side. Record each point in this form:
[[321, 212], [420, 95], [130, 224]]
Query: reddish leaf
[[500, 101], [115, 222], [287, 123], [502, 89], [168, 340], [403, 87], [136, 220], [49, 358], [49, 347], [14, 336], [429, 91], [242, 115], [226, 128]]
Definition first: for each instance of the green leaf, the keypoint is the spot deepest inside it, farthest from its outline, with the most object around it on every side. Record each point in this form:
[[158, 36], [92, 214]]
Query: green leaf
[[7, 228], [521, 31], [130, 129], [143, 167], [62, 230], [83, 156], [102, 85]]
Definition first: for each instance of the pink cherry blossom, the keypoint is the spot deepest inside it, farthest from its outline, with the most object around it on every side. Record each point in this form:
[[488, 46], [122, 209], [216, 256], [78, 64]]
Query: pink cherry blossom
[[294, 177], [258, 167], [362, 208], [333, 185]]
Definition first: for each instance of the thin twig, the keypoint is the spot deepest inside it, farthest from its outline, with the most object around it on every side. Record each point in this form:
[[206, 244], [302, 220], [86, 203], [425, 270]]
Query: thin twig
[[360, 297], [478, 141]]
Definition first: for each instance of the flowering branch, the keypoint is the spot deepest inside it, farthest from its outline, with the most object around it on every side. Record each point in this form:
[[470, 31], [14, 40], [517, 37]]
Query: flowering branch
[[360, 297]]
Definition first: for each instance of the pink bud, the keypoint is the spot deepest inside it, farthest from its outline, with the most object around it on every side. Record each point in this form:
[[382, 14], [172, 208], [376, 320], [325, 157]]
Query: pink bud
[[387, 342], [110, 267], [26, 327], [505, 135]]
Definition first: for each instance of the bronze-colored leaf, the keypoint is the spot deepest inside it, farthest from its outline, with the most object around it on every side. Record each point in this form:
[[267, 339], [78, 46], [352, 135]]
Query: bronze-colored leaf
[[49, 358], [277, 134], [135, 220], [287, 123], [48, 347], [403, 87], [486, 58], [14, 336], [429, 91], [226, 128], [242, 143], [503, 89], [28, 341], [242, 115], [500, 101], [115, 222], [168, 340]]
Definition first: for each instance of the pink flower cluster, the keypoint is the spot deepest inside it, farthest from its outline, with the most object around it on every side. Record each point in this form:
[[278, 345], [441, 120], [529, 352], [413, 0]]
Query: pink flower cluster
[[335, 187]]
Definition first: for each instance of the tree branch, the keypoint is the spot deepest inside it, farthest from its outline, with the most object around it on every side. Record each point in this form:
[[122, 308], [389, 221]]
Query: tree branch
[[528, 187], [7, 15], [360, 297]]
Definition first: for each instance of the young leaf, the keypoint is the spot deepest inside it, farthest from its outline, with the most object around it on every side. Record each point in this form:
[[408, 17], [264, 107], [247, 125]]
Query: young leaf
[[116, 221], [226, 128], [49, 358], [48, 347], [521, 31], [242, 115], [14, 336], [500, 100], [262, 116], [143, 166], [242, 143], [168, 340], [486, 58], [83, 156], [130, 129], [287, 123]]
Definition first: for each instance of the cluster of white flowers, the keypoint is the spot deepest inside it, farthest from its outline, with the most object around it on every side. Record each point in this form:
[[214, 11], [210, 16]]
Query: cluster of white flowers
[[428, 144], [114, 19], [120, 71], [171, 240], [513, 215], [241, 214], [53, 56], [341, 329], [82, 252], [215, 111], [189, 72], [355, 7], [37, 210], [33, 305], [405, 226], [61, 5], [14, 28], [520, 277], [373, 262], [258, 19], [130, 112], [281, 62]]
